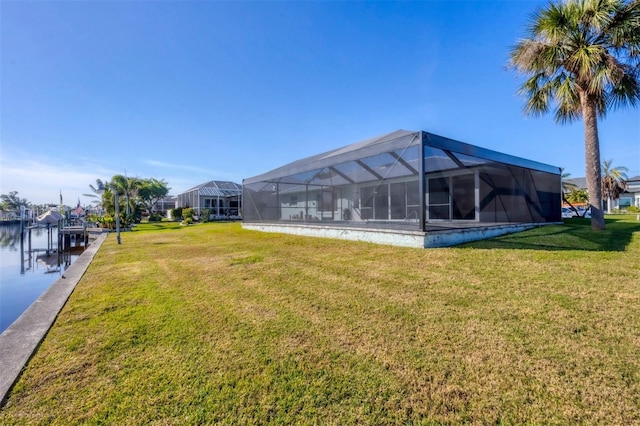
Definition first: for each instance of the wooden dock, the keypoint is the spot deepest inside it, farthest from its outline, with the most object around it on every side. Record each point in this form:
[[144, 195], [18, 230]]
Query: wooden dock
[[78, 235]]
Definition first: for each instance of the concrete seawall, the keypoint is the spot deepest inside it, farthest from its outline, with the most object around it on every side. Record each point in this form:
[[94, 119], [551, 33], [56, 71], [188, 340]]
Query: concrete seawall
[[20, 341]]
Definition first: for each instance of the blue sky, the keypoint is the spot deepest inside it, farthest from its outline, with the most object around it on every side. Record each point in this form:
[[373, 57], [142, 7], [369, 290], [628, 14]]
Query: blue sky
[[194, 91]]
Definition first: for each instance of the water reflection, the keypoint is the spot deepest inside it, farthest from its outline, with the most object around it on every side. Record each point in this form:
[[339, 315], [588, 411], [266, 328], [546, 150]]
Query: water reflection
[[10, 237], [29, 263]]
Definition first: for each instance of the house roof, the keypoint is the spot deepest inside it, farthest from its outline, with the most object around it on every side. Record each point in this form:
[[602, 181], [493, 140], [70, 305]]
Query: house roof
[[217, 188], [580, 182], [632, 183], [395, 143]]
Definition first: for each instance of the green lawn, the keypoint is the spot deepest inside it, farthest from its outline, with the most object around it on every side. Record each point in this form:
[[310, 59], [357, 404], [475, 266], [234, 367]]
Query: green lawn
[[214, 324]]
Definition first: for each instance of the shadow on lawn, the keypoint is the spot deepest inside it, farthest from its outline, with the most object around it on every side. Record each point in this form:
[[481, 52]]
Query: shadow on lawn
[[157, 226], [173, 225], [575, 234]]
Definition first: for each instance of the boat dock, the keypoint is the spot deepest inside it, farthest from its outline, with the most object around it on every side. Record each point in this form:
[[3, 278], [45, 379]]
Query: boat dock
[[79, 235]]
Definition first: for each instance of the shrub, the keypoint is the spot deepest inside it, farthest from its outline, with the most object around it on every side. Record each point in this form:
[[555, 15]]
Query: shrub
[[108, 221], [187, 221], [155, 217], [187, 212], [204, 215], [176, 213]]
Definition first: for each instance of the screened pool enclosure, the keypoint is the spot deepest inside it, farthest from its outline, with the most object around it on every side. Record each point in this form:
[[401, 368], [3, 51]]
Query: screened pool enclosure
[[407, 181], [222, 198]]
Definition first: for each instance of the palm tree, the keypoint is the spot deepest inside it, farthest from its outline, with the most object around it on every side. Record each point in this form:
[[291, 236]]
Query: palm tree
[[123, 185], [614, 182], [583, 57], [97, 190]]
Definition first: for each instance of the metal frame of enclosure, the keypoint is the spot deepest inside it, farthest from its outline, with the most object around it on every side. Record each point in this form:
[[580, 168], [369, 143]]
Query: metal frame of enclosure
[[405, 180], [222, 198]]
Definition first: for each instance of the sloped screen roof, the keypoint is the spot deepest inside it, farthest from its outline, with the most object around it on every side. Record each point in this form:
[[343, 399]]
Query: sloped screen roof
[[218, 188], [392, 155]]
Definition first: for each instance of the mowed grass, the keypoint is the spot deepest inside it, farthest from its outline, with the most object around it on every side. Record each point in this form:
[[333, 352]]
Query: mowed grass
[[215, 324]]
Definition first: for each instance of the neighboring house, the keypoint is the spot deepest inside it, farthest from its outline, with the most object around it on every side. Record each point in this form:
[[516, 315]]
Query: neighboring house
[[221, 198], [404, 188], [9, 215], [165, 204], [630, 197], [632, 194]]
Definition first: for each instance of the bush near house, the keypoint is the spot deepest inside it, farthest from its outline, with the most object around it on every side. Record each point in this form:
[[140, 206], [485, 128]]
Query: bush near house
[[155, 217], [176, 213], [188, 213], [205, 214]]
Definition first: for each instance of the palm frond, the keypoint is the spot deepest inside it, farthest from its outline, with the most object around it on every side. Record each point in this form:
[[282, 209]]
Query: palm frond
[[623, 26], [568, 99], [580, 48], [627, 91], [539, 94]]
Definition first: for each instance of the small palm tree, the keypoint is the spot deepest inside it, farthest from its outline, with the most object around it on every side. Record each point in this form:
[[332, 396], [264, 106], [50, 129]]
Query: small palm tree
[[128, 187], [567, 187], [614, 182], [97, 190], [582, 57]]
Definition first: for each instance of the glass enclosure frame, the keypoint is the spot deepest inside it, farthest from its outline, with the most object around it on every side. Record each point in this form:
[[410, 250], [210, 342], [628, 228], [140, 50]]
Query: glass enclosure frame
[[385, 183]]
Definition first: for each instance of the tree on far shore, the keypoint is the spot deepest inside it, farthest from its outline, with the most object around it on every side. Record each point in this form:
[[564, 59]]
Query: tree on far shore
[[12, 201], [583, 58]]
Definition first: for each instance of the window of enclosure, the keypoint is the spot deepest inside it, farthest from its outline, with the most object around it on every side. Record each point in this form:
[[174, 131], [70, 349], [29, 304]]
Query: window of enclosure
[[381, 202], [413, 199], [452, 197], [391, 201], [439, 199], [325, 203], [463, 198], [366, 202], [398, 200]]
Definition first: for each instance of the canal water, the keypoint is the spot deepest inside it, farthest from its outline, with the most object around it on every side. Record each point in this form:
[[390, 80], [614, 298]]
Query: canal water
[[28, 266]]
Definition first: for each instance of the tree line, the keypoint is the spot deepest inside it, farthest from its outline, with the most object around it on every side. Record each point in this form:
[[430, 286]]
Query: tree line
[[134, 197]]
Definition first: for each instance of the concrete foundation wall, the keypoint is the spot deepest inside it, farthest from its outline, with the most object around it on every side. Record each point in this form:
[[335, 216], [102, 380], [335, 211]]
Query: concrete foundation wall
[[414, 239]]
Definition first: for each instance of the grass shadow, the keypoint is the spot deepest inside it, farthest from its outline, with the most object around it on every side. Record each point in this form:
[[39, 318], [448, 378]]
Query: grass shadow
[[157, 226], [574, 234], [173, 225]]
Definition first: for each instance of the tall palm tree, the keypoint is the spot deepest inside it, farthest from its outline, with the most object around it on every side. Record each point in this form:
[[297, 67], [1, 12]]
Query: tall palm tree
[[582, 57], [614, 182]]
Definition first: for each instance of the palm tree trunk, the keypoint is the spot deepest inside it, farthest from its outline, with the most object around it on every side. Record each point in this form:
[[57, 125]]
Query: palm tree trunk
[[592, 158]]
